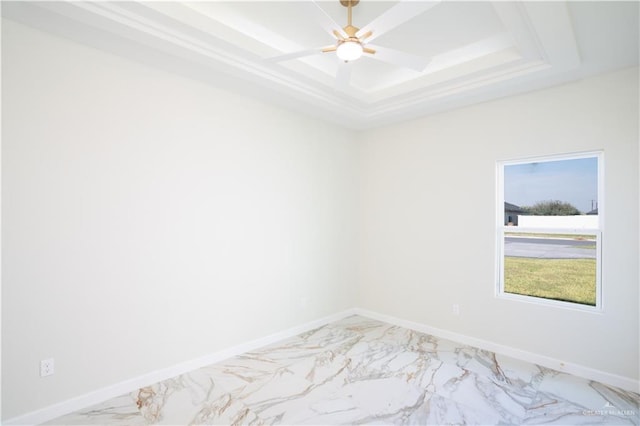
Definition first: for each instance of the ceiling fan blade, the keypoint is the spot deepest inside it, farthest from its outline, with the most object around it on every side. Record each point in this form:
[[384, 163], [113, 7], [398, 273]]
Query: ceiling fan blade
[[396, 57], [471, 52], [397, 15], [325, 21], [300, 54], [343, 76]]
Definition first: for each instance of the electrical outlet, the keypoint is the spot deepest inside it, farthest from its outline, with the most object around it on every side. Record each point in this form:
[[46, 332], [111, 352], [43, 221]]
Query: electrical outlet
[[46, 367], [456, 309]]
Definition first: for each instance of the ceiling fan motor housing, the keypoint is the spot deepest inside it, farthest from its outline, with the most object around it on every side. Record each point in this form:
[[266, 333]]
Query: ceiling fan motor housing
[[351, 31]]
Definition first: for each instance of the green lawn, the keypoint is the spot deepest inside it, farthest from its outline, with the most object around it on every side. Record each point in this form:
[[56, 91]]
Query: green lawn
[[571, 280]]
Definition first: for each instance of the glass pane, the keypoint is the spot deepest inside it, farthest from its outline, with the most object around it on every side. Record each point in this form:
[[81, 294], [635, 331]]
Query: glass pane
[[552, 194], [549, 195], [551, 266]]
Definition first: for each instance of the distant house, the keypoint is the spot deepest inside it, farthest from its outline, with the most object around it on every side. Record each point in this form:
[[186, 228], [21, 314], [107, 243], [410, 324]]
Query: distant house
[[593, 212], [511, 212]]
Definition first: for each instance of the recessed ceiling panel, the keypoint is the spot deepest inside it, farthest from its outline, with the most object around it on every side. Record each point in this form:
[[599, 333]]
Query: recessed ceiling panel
[[447, 26]]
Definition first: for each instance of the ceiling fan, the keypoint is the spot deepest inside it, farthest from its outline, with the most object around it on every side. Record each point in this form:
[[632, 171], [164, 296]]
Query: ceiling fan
[[352, 42]]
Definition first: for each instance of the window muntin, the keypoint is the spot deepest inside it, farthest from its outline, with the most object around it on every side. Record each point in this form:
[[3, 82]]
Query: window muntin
[[545, 253]]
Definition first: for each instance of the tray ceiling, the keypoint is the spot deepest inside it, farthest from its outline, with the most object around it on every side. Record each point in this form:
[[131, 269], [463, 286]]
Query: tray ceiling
[[473, 51]]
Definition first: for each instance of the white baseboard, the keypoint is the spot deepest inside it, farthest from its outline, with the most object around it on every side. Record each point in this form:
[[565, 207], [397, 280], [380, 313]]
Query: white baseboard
[[544, 361], [87, 400]]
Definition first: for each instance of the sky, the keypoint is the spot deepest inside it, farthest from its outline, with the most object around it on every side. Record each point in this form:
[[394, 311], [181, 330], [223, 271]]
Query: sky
[[574, 181]]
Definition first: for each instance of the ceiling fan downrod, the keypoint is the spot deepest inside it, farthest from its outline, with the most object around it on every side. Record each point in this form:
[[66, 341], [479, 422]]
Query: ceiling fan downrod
[[350, 29]]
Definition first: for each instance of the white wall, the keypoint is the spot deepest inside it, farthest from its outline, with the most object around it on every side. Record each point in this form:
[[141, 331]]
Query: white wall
[[150, 220], [439, 169]]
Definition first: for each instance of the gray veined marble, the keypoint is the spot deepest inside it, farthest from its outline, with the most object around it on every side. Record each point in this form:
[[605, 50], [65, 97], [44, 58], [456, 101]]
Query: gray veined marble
[[363, 371]]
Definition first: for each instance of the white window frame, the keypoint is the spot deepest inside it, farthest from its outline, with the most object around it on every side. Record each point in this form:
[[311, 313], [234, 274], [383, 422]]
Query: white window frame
[[501, 228]]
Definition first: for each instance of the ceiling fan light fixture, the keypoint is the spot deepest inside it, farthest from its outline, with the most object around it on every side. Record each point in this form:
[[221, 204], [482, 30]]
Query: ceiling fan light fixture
[[349, 50]]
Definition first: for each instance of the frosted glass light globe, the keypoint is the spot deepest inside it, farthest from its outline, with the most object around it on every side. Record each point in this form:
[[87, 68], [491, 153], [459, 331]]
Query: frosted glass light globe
[[349, 51]]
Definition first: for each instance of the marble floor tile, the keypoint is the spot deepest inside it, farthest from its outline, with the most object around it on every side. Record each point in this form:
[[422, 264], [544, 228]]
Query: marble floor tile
[[362, 371], [193, 398], [437, 410], [566, 399], [117, 411]]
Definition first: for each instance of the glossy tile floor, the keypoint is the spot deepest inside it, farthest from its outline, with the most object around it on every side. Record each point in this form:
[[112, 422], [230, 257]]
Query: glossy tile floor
[[359, 370]]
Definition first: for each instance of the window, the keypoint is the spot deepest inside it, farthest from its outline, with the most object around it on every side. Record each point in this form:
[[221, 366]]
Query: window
[[549, 230]]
